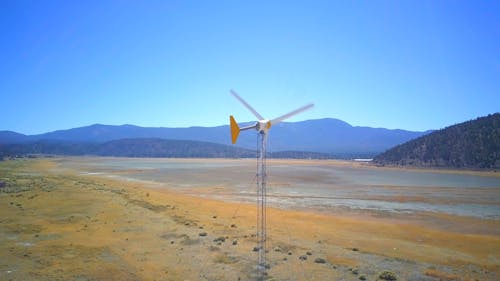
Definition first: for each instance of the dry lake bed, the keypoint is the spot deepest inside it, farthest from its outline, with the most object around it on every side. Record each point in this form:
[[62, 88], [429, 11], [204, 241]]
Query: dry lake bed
[[92, 218]]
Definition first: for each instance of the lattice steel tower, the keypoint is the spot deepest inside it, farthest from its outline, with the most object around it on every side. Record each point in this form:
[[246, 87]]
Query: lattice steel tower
[[262, 126]]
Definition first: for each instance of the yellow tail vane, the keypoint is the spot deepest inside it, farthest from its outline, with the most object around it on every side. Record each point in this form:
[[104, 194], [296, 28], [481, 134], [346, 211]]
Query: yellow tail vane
[[235, 129]]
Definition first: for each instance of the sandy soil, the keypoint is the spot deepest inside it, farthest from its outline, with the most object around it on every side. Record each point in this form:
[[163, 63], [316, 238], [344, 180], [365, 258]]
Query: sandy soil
[[61, 225]]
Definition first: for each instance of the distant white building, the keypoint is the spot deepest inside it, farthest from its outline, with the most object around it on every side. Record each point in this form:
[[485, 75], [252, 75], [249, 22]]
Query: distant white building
[[363, 159]]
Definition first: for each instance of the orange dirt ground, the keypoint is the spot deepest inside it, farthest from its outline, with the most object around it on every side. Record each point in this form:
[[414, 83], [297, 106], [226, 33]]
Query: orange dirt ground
[[66, 226]]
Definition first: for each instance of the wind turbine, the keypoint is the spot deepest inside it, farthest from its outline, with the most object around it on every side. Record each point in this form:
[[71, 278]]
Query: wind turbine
[[262, 126]]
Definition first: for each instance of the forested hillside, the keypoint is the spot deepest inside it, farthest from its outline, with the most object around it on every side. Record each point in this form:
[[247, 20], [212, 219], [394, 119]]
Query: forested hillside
[[147, 147], [472, 144], [144, 147]]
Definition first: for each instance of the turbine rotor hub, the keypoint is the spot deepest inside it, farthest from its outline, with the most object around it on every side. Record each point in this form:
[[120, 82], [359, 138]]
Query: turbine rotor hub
[[263, 125]]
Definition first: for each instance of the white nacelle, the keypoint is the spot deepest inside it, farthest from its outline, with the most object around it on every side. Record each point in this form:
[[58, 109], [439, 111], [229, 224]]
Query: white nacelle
[[263, 125]]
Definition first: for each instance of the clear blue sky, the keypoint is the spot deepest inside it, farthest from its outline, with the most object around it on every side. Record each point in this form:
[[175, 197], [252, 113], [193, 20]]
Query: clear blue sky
[[413, 65]]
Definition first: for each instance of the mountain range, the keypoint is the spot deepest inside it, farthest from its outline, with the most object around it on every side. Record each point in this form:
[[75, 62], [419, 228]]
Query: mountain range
[[327, 136]]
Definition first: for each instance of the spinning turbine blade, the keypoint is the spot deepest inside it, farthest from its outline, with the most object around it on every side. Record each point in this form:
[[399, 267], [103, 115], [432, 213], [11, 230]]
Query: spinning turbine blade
[[247, 105], [288, 115]]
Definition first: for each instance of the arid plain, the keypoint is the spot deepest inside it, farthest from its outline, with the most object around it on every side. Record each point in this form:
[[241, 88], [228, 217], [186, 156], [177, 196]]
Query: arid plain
[[194, 219]]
